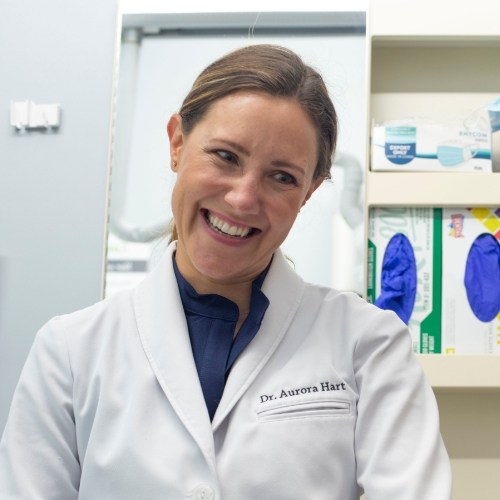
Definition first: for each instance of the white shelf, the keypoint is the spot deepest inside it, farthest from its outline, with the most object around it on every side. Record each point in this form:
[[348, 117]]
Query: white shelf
[[434, 19], [439, 66], [461, 372], [433, 189]]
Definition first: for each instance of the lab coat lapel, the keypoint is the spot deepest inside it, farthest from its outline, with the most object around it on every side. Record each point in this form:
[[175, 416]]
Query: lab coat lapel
[[284, 289], [165, 338]]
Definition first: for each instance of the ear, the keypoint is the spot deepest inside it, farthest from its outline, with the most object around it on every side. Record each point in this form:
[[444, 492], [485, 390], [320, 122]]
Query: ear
[[314, 185], [176, 139]]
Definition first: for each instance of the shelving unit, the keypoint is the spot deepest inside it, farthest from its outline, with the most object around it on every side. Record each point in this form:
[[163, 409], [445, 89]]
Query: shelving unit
[[432, 189], [462, 373], [440, 59]]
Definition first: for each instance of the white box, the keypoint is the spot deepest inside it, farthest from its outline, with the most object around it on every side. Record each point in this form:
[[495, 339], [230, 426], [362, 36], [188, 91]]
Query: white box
[[426, 147], [422, 227], [463, 332]]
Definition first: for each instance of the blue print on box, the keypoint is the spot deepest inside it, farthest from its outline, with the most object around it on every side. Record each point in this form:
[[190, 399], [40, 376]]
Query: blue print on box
[[482, 277], [400, 144]]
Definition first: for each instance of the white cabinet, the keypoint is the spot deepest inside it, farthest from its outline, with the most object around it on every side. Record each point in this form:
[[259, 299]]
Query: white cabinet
[[434, 59], [439, 59]]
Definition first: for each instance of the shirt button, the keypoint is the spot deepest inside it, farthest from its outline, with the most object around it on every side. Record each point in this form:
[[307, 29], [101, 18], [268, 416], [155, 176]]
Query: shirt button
[[202, 492]]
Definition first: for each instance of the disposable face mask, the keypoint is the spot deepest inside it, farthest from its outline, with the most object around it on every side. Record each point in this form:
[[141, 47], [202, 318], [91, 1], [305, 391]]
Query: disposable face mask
[[399, 278], [450, 155], [494, 114], [482, 277]]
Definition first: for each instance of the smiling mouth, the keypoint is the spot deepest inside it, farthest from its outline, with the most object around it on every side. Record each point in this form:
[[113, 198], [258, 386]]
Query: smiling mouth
[[227, 229]]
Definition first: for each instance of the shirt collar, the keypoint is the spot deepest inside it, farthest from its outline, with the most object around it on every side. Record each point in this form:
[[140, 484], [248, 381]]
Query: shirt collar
[[216, 306]]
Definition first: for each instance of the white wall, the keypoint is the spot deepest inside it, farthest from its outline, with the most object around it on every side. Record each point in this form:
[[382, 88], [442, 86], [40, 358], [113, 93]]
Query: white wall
[[52, 185]]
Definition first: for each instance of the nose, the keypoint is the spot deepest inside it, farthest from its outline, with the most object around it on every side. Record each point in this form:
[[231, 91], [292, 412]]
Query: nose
[[244, 194]]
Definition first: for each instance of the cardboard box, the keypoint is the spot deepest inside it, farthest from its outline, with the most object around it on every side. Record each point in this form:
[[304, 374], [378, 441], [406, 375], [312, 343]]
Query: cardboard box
[[422, 147], [463, 332], [422, 226]]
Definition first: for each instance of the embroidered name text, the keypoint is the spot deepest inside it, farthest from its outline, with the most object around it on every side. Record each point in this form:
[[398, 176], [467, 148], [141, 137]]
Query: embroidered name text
[[287, 393]]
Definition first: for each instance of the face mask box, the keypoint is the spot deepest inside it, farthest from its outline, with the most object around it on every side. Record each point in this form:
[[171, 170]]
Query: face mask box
[[422, 227], [463, 331], [430, 148]]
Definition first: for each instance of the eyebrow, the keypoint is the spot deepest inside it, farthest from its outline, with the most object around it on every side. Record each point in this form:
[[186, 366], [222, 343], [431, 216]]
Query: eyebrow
[[278, 163]]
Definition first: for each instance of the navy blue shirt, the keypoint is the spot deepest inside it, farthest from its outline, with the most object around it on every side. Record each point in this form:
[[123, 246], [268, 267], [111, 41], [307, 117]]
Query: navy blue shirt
[[211, 321]]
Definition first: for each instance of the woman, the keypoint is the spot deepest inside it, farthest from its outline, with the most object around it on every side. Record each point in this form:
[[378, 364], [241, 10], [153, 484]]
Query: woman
[[224, 375]]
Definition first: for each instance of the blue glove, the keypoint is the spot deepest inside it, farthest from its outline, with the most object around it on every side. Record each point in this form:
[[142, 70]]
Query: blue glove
[[399, 278], [482, 277]]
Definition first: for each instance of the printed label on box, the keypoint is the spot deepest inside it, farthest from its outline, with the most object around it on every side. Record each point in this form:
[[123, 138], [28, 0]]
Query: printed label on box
[[422, 227], [430, 148], [463, 331]]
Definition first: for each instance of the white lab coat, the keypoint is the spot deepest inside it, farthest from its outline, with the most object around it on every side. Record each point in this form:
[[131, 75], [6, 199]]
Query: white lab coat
[[326, 397]]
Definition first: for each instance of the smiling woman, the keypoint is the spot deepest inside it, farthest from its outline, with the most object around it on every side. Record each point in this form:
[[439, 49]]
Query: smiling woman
[[252, 141], [224, 374]]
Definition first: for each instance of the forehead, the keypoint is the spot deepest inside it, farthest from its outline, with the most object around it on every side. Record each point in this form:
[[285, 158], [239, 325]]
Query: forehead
[[244, 110], [241, 97]]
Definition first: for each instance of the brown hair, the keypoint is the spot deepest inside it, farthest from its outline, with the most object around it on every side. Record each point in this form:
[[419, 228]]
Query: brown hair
[[277, 71]]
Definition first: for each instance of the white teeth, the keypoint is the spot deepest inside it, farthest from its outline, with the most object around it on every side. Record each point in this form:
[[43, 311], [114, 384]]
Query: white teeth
[[226, 228]]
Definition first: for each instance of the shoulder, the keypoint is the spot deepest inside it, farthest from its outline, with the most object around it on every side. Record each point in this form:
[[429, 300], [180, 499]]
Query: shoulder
[[82, 333], [351, 316], [346, 303], [116, 308]]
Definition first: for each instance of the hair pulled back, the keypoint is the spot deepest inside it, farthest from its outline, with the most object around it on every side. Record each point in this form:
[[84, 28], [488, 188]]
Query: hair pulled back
[[277, 71]]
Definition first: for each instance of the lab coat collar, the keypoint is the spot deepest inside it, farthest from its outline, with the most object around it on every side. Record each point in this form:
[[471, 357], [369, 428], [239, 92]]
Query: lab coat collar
[[164, 335], [165, 339]]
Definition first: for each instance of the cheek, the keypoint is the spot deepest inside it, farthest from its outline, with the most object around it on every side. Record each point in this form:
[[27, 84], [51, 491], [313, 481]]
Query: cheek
[[190, 188], [284, 214]]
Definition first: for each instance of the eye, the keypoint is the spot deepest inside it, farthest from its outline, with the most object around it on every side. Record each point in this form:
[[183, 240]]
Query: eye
[[285, 178], [226, 155]]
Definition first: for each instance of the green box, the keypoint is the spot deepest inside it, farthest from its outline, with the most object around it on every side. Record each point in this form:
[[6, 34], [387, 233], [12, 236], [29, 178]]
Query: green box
[[423, 228]]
